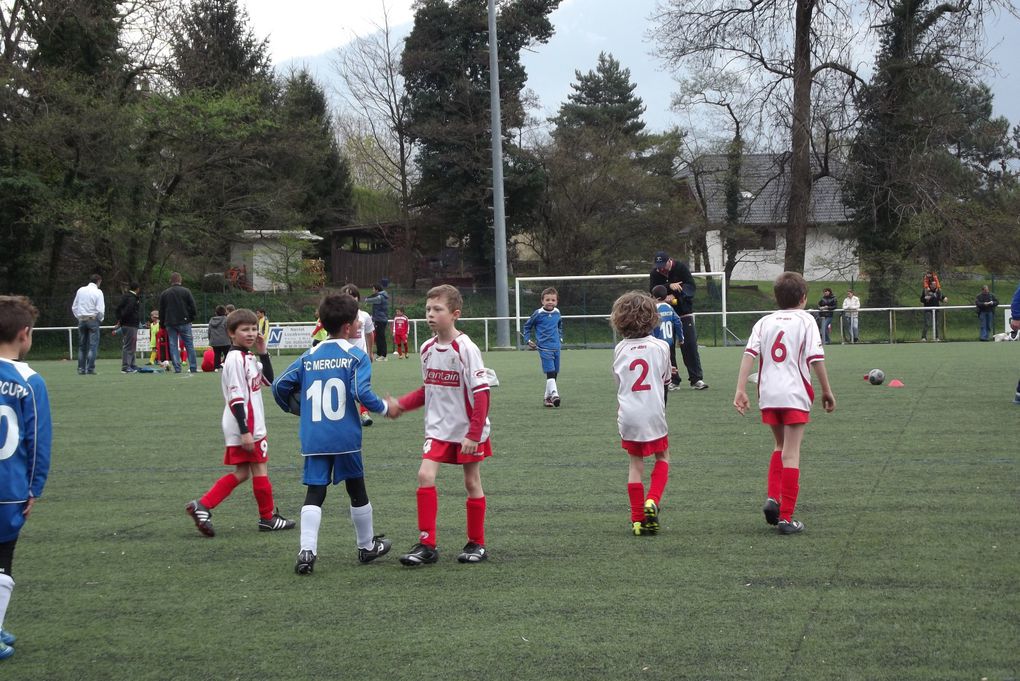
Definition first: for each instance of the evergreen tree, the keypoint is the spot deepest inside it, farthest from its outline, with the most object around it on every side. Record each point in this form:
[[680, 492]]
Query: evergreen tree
[[602, 99], [214, 48]]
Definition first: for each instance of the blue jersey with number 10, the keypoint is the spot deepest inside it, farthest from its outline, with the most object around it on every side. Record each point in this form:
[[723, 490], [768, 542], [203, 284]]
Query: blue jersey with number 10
[[670, 327], [331, 378], [25, 435]]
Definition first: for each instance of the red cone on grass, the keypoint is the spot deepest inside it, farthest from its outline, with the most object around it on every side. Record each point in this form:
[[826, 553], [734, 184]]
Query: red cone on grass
[[896, 383]]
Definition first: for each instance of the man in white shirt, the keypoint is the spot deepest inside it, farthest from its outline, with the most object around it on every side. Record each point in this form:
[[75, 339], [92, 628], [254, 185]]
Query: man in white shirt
[[851, 305], [89, 308]]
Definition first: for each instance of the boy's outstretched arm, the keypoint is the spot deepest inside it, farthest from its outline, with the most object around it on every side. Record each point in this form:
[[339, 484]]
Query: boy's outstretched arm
[[740, 400], [828, 398]]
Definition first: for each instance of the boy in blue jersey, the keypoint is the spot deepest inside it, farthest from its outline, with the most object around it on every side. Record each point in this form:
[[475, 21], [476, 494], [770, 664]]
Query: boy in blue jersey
[[670, 329], [25, 440], [548, 328], [331, 379]]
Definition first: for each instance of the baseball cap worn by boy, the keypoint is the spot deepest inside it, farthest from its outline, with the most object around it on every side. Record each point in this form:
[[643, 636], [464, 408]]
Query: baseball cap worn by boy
[[661, 259]]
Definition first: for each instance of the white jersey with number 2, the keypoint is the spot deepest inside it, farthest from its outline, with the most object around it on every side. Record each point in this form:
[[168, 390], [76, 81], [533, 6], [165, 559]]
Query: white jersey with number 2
[[641, 369], [785, 343]]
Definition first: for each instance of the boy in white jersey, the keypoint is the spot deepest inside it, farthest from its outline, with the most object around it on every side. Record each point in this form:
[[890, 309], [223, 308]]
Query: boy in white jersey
[[362, 337], [244, 427], [641, 369], [455, 395], [331, 380], [787, 346]]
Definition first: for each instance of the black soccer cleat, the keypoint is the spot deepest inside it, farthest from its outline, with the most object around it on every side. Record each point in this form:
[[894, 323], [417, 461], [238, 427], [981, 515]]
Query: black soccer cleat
[[420, 554], [556, 400], [771, 511], [651, 522], [277, 522], [473, 553], [202, 517], [380, 547], [790, 527], [305, 562]]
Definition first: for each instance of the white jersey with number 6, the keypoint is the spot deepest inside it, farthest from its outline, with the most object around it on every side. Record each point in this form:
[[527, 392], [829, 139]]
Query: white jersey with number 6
[[641, 369], [786, 343]]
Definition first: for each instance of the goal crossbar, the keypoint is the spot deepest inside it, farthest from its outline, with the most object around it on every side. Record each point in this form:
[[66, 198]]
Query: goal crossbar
[[594, 277]]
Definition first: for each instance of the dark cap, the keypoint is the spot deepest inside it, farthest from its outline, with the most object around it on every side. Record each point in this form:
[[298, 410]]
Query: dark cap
[[661, 258]]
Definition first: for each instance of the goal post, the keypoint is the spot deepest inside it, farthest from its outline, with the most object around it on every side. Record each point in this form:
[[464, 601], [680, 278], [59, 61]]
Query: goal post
[[640, 283]]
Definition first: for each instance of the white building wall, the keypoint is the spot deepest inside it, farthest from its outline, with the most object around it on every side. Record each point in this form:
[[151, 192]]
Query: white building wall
[[827, 257]]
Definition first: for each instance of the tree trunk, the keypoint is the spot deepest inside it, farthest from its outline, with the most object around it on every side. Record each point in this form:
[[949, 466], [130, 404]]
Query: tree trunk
[[800, 163]]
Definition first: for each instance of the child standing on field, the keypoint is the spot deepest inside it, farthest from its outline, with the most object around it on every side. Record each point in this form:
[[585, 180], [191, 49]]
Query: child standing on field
[[244, 427], [362, 337], [330, 380], [548, 328], [26, 431], [670, 329], [401, 325], [455, 395], [641, 369], [153, 336], [787, 345], [263, 322]]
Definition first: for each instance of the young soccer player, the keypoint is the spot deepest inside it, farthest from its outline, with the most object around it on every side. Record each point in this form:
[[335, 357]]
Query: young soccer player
[[641, 369], [244, 427], [26, 438], [401, 325], [787, 345], [548, 328], [263, 322], [153, 335], [670, 329], [363, 338], [330, 380], [455, 395]]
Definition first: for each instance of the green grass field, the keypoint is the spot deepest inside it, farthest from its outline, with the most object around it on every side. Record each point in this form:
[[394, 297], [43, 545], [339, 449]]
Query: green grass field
[[908, 568]]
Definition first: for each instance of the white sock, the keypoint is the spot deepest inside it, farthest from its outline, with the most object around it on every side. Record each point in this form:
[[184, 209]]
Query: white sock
[[6, 587], [311, 518], [550, 386], [554, 391], [362, 517]]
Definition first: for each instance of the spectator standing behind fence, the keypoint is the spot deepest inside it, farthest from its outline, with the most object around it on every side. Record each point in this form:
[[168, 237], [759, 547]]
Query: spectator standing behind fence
[[986, 303], [932, 297], [826, 306], [129, 318], [677, 278], [219, 340], [1014, 323], [851, 307], [89, 308], [380, 301], [177, 311]]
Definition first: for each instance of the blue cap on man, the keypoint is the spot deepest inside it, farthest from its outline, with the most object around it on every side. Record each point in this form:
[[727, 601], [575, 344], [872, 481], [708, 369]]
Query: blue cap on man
[[661, 258]]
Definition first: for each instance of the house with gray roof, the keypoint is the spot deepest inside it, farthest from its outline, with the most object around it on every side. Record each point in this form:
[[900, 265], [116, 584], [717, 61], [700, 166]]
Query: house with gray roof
[[764, 194]]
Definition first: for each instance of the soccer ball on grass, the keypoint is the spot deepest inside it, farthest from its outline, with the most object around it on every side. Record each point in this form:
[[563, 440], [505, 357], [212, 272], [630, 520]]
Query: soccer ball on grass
[[876, 376]]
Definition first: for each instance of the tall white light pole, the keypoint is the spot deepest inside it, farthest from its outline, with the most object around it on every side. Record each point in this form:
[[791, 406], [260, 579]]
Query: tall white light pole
[[498, 215]]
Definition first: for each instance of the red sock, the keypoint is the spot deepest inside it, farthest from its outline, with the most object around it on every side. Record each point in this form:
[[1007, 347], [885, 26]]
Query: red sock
[[263, 490], [791, 485], [220, 490], [775, 483], [476, 520], [636, 494], [660, 476], [428, 509]]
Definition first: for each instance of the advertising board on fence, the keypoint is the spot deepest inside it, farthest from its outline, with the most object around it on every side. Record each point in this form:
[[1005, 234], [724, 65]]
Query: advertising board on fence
[[280, 338]]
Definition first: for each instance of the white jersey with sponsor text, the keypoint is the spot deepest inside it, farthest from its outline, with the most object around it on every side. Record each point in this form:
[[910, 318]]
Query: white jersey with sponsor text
[[641, 369], [453, 374], [786, 343], [242, 381]]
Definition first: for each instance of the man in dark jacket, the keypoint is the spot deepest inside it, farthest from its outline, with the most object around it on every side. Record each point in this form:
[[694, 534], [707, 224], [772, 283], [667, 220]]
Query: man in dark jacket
[[677, 278], [986, 303], [177, 310], [129, 317], [380, 301]]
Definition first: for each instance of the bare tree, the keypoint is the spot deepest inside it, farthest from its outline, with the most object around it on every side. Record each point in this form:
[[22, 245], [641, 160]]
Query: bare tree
[[373, 127]]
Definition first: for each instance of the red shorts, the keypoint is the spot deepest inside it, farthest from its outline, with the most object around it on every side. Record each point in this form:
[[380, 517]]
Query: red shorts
[[784, 417], [235, 454], [449, 452], [402, 339], [646, 448]]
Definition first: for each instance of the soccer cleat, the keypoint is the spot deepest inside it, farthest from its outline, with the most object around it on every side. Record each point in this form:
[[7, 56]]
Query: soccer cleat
[[651, 523], [305, 562], [5, 651], [7, 638], [790, 526], [637, 528], [548, 402], [555, 400], [420, 554], [771, 511], [473, 553], [277, 522], [202, 517], [699, 385], [366, 419], [380, 547], [673, 387]]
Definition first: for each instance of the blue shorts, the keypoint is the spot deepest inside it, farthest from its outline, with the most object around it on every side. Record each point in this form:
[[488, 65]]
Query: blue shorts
[[550, 360], [12, 519], [323, 469]]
